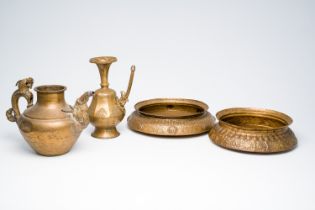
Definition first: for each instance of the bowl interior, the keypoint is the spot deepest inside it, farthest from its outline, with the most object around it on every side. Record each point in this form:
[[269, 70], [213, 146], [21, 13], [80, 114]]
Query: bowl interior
[[255, 122], [171, 109], [255, 119]]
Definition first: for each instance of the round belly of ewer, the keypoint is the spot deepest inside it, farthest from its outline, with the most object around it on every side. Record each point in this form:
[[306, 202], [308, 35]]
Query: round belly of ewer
[[49, 137]]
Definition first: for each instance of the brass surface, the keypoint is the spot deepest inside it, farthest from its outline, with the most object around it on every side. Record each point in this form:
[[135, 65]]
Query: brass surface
[[51, 126], [253, 130], [171, 117], [106, 109]]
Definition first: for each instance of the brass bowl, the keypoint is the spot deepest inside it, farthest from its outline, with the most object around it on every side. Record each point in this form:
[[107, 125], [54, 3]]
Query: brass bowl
[[171, 117], [253, 130]]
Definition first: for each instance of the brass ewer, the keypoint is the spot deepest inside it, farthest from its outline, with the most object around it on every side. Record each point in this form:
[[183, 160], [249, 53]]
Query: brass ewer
[[106, 109], [51, 126]]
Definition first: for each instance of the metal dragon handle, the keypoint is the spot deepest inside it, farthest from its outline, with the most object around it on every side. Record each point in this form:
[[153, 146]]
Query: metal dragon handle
[[24, 86]]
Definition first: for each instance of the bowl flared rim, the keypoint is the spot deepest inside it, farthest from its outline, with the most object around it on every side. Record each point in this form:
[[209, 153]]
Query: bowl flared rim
[[257, 112], [173, 101]]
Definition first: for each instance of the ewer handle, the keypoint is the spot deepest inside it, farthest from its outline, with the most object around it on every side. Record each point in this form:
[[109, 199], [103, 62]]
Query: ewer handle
[[24, 86]]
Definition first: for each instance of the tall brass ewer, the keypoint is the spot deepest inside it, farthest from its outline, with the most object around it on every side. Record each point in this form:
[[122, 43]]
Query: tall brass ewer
[[106, 109]]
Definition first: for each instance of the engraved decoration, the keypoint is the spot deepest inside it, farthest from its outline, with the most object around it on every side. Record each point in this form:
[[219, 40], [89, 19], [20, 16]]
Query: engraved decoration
[[253, 130]]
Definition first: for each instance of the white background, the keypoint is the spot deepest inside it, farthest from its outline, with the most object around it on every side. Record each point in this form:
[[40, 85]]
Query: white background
[[225, 53]]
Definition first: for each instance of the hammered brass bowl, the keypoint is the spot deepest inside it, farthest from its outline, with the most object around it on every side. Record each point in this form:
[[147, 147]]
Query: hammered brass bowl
[[253, 130], [171, 117]]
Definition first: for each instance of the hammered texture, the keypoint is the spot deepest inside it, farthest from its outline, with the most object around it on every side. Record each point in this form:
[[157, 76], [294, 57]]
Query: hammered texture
[[171, 127], [257, 140]]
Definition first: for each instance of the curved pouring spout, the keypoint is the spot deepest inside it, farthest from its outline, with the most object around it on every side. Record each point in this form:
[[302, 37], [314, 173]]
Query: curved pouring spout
[[124, 95], [80, 110]]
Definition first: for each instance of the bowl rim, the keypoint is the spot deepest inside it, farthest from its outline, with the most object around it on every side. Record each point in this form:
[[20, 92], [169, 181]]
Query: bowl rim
[[259, 112], [175, 101]]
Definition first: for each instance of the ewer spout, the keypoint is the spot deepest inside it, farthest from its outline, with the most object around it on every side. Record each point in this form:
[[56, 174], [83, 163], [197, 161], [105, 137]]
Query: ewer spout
[[124, 95]]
